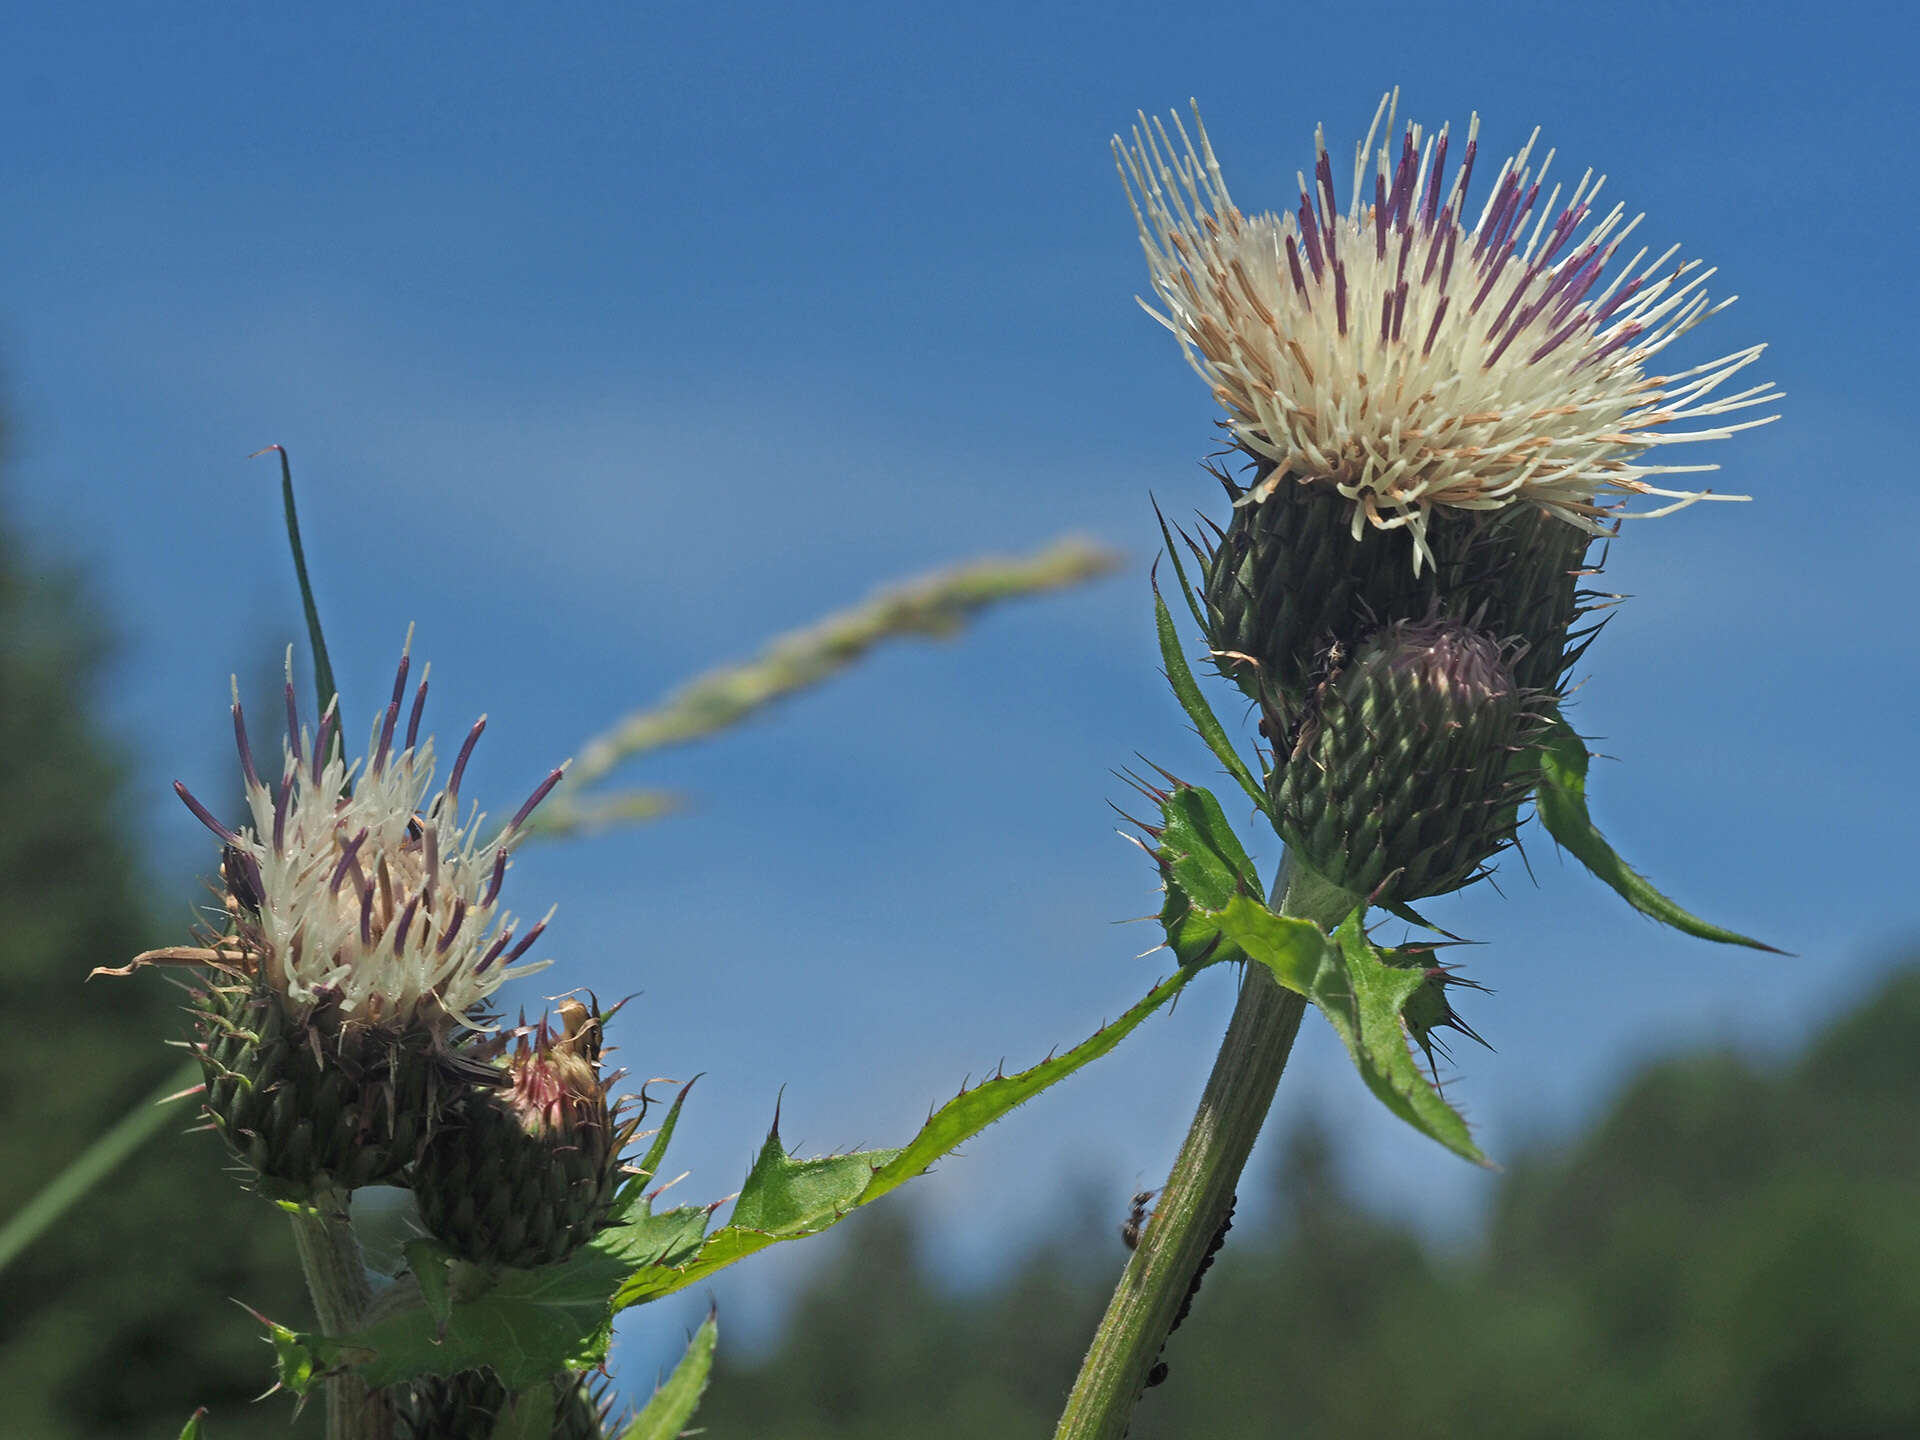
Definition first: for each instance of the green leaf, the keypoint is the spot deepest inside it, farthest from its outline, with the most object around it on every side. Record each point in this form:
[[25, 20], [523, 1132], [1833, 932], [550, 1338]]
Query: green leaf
[[673, 1404], [526, 1324], [1187, 691], [1561, 801], [1298, 952], [1365, 998], [531, 1324], [657, 1151], [316, 640], [788, 1199], [193, 1430], [1205, 869]]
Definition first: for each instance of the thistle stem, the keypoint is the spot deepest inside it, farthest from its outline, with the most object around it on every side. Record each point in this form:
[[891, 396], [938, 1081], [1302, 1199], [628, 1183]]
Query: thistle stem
[[1199, 1192], [342, 1295]]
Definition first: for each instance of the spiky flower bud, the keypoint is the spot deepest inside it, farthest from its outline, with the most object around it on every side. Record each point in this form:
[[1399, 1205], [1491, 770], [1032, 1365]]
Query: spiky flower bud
[[364, 939], [524, 1172], [1403, 782]]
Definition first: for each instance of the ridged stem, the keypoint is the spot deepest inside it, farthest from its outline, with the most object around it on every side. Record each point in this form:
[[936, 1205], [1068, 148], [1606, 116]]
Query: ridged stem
[[1199, 1192], [342, 1296]]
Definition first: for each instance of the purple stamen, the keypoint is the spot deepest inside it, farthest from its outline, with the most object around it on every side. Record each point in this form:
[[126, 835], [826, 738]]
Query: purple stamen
[[1466, 174], [1446, 265], [321, 741], [406, 923], [1506, 310], [453, 926], [1310, 232], [386, 738], [493, 952], [1628, 331], [413, 720], [1403, 181], [204, 815], [1386, 316], [1439, 314], [1563, 228], [1431, 202], [1406, 249], [466, 753], [1340, 295], [1293, 264], [1619, 298], [526, 944], [545, 789], [1503, 197], [347, 852], [1323, 171], [366, 916], [1556, 340], [1585, 270], [246, 750], [1379, 216], [1492, 276], [1434, 242], [493, 884], [1399, 307], [254, 877]]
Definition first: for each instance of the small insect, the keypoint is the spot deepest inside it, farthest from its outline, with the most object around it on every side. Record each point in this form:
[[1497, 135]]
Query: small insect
[[1136, 1221]]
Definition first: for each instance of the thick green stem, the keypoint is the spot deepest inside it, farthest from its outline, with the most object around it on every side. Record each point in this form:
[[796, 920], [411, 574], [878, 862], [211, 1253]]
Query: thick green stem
[[1199, 1193], [342, 1295]]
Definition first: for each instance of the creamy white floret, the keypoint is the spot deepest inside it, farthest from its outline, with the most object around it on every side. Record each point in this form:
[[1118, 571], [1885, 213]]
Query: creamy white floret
[[371, 888], [1406, 360]]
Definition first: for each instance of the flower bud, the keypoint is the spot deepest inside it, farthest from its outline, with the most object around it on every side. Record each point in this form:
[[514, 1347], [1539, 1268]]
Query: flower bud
[[1403, 781], [524, 1171]]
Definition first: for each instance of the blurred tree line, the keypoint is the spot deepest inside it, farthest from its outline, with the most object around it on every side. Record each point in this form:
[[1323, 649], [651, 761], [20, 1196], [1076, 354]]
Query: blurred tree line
[[119, 1321], [1730, 1252]]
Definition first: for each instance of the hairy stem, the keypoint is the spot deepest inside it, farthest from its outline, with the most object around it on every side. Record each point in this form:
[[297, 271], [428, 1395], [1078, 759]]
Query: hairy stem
[[1198, 1195], [342, 1295]]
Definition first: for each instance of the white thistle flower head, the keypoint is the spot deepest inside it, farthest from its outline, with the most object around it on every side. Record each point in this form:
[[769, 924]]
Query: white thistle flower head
[[353, 887], [1405, 360]]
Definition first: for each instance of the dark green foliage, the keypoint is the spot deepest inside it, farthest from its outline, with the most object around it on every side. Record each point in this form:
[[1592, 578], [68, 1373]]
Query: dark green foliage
[[1729, 1254], [118, 1322]]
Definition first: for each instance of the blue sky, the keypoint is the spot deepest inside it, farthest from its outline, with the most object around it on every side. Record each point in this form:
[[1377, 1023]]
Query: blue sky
[[610, 340]]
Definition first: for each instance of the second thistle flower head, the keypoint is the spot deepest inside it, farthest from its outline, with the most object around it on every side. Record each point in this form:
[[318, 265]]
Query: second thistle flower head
[[357, 886], [1407, 360]]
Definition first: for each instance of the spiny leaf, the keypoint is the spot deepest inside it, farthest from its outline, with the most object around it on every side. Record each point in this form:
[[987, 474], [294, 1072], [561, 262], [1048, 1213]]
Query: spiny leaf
[[656, 1154], [1562, 805], [1365, 1000], [1205, 868], [1363, 996], [673, 1404], [1187, 691], [530, 1324], [797, 1198], [525, 1324], [193, 1430]]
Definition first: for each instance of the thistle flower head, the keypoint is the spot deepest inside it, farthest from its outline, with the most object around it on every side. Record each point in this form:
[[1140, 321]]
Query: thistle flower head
[[353, 887], [1406, 359]]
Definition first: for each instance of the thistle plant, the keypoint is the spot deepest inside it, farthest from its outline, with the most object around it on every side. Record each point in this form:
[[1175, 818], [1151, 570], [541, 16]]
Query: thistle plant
[[348, 1012], [1430, 423]]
